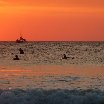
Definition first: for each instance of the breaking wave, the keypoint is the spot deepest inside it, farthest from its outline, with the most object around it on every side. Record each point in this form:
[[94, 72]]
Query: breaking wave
[[40, 96]]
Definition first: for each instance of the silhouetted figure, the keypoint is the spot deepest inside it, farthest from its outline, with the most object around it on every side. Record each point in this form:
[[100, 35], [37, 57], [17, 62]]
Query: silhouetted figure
[[16, 57], [21, 51], [64, 56], [22, 39]]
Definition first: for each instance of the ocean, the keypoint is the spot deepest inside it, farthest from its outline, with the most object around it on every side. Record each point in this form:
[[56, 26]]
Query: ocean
[[43, 76]]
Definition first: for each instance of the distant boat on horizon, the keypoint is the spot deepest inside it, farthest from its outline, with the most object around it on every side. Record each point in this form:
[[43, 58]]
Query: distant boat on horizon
[[21, 40]]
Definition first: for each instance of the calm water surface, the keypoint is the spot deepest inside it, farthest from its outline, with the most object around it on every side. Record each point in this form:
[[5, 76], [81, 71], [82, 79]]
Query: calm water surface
[[52, 77]]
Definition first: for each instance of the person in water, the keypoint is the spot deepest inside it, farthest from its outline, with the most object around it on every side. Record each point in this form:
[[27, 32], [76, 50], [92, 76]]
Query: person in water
[[21, 51], [16, 57], [64, 56]]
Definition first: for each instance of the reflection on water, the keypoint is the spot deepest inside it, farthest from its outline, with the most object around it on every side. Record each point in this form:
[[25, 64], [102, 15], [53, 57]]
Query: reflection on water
[[52, 77]]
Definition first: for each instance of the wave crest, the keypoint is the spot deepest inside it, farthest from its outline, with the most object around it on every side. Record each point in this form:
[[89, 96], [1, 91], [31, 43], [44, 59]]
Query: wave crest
[[40, 96]]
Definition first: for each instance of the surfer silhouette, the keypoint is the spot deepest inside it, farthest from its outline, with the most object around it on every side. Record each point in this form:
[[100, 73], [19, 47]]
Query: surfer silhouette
[[16, 57], [21, 51], [64, 56]]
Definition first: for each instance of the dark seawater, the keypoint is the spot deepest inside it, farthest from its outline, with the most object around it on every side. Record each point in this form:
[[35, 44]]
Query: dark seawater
[[39, 96]]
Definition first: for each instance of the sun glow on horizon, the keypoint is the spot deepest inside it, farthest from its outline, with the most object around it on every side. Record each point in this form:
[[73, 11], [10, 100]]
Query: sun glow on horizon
[[57, 20]]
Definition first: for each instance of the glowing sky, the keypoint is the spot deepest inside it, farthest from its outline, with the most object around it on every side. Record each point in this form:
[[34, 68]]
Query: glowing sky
[[52, 19]]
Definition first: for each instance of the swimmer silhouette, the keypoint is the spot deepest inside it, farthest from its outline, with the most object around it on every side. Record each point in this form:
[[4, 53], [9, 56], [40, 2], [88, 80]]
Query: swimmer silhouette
[[21, 51], [16, 57], [64, 56]]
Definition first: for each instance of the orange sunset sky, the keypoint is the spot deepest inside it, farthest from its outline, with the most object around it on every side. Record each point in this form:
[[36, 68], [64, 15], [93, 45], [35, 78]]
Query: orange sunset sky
[[52, 20]]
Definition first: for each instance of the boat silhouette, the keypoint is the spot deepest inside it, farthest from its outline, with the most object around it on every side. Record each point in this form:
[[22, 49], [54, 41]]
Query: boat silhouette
[[21, 40]]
